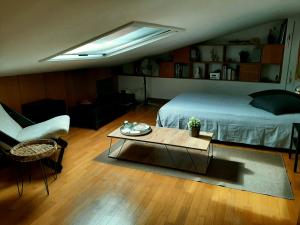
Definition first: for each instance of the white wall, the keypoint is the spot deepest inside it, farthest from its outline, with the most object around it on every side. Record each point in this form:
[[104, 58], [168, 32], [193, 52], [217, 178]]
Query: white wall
[[293, 62], [167, 88]]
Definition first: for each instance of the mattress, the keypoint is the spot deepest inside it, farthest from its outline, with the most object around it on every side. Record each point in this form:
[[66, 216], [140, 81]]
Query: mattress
[[230, 118]]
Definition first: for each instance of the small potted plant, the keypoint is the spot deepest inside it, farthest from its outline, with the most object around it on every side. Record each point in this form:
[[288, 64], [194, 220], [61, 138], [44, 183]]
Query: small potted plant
[[194, 125]]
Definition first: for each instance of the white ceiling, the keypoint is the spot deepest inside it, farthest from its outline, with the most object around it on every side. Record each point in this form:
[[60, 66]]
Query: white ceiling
[[31, 30]]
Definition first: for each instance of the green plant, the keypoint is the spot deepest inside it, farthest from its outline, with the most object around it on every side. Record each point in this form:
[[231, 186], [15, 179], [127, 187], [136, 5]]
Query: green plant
[[194, 122]]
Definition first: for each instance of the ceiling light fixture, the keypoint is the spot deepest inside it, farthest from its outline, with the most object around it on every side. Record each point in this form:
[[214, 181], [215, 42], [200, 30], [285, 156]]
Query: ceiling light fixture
[[122, 39]]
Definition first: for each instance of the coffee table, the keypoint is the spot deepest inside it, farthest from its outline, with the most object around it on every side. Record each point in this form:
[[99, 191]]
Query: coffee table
[[171, 137]]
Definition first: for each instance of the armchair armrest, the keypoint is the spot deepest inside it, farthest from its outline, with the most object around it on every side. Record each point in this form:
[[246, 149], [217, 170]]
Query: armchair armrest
[[7, 139]]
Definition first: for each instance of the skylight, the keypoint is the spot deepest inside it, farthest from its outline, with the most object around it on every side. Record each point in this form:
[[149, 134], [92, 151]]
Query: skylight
[[122, 39]]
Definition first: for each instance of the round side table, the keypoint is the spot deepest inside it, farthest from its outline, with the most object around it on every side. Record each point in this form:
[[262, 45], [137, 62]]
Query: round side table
[[31, 151]]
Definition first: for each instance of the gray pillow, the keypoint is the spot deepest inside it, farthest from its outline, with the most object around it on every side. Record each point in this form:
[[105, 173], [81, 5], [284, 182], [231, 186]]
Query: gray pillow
[[277, 104], [273, 92]]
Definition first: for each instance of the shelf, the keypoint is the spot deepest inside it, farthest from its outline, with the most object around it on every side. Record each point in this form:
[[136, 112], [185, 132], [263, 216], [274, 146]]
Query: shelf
[[135, 75], [245, 44], [225, 62], [254, 72], [277, 64], [192, 78], [229, 44], [235, 62], [208, 62]]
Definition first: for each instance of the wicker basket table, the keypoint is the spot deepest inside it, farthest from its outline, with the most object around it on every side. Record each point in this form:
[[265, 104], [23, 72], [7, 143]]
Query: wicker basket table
[[30, 151]]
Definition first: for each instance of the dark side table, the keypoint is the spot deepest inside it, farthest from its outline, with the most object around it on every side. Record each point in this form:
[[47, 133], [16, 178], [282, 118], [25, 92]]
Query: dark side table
[[295, 142]]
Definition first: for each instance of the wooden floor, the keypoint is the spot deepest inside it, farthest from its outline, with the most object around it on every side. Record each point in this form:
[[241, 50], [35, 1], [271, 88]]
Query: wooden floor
[[89, 192]]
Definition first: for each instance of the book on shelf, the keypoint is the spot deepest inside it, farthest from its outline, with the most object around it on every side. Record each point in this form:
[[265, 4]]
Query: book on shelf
[[224, 72], [181, 71], [177, 70], [233, 75], [185, 71], [230, 74]]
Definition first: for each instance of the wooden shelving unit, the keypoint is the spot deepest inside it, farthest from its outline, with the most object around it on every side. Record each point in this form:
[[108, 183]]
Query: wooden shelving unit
[[262, 65]]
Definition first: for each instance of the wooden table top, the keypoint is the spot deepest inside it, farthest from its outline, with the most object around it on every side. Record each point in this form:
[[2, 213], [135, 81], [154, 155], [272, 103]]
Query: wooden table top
[[170, 136]]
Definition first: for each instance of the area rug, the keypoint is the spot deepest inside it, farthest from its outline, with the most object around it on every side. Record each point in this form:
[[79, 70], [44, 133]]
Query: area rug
[[248, 170]]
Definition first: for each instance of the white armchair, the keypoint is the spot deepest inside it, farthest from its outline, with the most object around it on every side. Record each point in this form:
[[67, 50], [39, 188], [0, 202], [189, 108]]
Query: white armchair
[[15, 128]]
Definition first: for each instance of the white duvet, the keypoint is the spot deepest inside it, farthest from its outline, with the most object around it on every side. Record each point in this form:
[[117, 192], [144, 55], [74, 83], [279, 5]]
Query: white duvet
[[230, 118]]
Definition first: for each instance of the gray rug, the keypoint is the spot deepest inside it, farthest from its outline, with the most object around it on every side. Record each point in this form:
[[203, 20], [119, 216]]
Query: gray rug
[[248, 170]]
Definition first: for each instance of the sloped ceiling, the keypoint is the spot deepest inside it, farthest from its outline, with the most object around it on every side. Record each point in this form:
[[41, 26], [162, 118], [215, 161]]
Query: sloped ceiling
[[31, 30]]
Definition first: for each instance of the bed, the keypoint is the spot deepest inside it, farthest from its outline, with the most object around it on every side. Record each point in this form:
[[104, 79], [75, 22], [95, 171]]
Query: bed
[[230, 118]]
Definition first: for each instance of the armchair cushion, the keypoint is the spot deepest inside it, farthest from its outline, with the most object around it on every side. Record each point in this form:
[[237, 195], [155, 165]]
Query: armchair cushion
[[52, 128]]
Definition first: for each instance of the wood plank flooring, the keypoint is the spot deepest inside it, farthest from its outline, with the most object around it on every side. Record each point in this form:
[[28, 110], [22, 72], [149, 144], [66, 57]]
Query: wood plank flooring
[[89, 192]]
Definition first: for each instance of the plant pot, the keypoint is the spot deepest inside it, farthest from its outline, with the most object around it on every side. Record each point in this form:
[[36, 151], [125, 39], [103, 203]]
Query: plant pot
[[194, 131]]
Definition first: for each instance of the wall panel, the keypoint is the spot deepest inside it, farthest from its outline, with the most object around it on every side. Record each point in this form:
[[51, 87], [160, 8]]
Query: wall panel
[[10, 93], [55, 85], [32, 88], [71, 86]]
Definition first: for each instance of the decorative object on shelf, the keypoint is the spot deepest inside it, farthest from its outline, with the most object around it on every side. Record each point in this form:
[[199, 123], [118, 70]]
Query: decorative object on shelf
[[215, 76], [197, 72], [135, 129], [178, 70], [195, 54], [182, 70], [213, 55], [194, 126], [149, 67], [272, 36], [244, 55], [255, 54], [146, 68], [154, 68]]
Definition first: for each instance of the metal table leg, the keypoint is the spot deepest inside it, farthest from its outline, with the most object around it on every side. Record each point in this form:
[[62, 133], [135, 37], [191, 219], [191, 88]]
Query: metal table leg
[[109, 146], [296, 156], [44, 176], [194, 164], [291, 144], [121, 148], [171, 157]]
